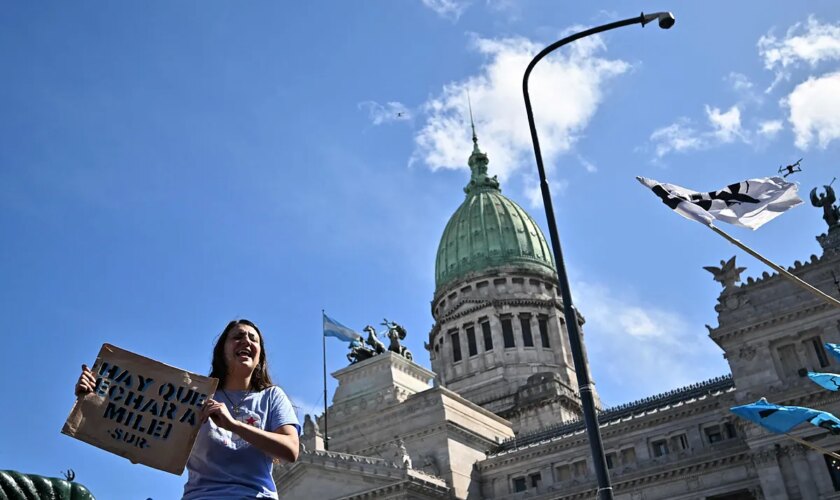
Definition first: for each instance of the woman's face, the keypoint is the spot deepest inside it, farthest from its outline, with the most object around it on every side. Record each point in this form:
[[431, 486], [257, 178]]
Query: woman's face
[[242, 348]]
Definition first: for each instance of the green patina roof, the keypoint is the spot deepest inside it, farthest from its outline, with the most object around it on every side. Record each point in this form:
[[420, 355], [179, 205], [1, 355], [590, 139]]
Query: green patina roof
[[489, 231]]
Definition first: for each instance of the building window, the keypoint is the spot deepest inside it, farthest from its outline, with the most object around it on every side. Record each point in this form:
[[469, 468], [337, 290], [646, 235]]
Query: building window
[[564, 472], [519, 484], [789, 360], [488, 337], [535, 480], [507, 332], [456, 347], [713, 434], [542, 321], [527, 338], [612, 460], [729, 430], [822, 359], [659, 448], [579, 468], [679, 443], [471, 346], [628, 456], [833, 470]]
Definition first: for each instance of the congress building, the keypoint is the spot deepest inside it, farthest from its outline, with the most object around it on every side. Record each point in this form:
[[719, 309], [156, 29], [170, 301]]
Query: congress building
[[499, 415]]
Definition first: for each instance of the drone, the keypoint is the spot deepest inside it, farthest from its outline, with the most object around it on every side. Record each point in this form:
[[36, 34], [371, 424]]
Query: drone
[[789, 169]]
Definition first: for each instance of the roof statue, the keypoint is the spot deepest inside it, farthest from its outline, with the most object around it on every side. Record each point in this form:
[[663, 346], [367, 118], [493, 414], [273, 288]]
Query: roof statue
[[831, 213], [395, 334], [310, 426], [363, 349], [727, 274], [401, 457]]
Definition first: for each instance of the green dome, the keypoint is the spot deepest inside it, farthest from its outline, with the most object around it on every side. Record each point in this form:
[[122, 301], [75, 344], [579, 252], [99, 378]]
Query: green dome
[[489, 231]]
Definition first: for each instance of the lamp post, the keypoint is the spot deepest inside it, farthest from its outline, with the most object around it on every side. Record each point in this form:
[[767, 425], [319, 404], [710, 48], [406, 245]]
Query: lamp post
[[666, 20]]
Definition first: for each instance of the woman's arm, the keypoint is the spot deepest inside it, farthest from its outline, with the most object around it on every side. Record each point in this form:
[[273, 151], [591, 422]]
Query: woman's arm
[[282, 443]]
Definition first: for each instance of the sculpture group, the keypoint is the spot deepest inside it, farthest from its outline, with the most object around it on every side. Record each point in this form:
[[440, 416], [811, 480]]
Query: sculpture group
[[363, 349]]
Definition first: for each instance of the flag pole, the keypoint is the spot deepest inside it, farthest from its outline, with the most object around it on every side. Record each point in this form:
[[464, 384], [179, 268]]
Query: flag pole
[[324, 346], [782, 271], [813, 446]]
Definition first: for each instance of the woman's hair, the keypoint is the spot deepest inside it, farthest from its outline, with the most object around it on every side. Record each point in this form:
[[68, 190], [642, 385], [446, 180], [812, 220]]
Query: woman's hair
[[260, 379]]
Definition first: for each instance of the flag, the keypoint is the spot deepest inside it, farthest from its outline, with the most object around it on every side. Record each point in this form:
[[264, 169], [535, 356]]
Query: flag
[[333, 328], [782, 419], [750, 203], [833, 349], [828, 381]]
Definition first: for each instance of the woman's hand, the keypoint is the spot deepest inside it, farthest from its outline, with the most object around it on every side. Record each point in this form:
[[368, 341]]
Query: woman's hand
[[86, 383], [219, 413]]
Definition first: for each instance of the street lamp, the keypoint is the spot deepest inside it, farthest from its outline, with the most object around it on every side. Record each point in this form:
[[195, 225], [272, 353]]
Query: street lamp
[[666, 20]]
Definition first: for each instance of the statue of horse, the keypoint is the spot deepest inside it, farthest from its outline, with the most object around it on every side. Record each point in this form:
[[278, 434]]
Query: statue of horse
[[359, 351], [395, 334], [373, 341]]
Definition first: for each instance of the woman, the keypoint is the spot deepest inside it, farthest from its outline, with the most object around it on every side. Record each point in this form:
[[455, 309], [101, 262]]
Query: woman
[[248, 422]]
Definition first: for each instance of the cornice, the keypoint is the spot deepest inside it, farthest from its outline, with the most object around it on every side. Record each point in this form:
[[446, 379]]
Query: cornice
[[721, 334], [495, 303]]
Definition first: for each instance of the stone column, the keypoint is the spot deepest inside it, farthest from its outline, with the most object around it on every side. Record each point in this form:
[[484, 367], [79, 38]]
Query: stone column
[[819, 471], [770, 474], [802, 469]]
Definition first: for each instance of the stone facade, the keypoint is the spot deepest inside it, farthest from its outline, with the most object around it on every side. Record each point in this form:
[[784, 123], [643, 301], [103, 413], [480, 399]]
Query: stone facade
[[500, 341], [680, 445], [501, 418]]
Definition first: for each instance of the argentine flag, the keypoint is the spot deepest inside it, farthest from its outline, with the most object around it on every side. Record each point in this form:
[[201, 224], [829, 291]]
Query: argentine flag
[[333, 328]]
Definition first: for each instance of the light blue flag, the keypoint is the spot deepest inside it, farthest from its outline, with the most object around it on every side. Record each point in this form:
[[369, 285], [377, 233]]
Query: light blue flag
[[781, 419], [833, 349], [333, 328], [828, 381]]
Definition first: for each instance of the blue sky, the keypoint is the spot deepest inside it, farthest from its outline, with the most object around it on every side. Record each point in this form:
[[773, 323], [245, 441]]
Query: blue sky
[[166, 167]]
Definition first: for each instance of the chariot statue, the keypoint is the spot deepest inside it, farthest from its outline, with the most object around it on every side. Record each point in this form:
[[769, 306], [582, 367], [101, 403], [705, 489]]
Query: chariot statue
[[362, 349], [395, 334]]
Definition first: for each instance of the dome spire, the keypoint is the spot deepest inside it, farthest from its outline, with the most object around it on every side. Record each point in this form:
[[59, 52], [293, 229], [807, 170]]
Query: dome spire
[[479, 180], [472, 124]]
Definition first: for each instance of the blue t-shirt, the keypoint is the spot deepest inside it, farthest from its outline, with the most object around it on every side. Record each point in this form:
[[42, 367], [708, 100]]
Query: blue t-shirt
[[222, 465]]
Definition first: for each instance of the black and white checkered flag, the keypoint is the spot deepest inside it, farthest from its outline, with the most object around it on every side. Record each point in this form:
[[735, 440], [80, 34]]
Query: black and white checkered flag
[[750, 203]]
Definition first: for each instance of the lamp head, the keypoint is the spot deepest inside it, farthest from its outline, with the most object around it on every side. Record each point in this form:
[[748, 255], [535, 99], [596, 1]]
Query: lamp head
[[666, 19]]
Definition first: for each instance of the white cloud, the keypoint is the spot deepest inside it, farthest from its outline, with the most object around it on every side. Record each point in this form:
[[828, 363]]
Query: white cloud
[[810, 43], [681, 136], [638, 348], [449, 9], [770, 128], [676, 137], [815, 111], [566, 90], [726, 126], [739, 81], [390, 112], [744, 88]]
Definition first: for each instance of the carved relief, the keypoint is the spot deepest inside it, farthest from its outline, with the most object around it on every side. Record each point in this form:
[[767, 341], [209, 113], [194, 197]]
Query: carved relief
[[747, 352]]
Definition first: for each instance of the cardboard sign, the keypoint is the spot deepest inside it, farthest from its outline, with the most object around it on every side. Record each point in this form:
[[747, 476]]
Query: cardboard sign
[[141, 409]]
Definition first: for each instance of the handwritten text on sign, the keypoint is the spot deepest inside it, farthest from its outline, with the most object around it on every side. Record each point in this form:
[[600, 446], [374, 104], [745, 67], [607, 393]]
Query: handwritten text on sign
[[141, 409]]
